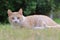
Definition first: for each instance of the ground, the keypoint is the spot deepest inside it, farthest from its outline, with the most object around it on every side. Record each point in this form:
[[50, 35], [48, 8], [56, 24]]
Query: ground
[[7, 33]]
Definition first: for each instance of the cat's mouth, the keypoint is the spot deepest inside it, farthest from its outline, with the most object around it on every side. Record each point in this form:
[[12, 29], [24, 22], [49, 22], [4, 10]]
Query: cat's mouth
[[16, 22]]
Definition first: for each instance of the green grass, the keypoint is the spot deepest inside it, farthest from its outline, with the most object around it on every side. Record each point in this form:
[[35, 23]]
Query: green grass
[[57, 20], [7, 33]]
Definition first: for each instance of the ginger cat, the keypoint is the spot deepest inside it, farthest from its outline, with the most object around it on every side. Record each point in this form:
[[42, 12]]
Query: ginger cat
[[34, 21]]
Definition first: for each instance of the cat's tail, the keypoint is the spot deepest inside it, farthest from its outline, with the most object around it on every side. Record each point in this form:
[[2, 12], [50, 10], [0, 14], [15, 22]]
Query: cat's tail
[[56, 26]]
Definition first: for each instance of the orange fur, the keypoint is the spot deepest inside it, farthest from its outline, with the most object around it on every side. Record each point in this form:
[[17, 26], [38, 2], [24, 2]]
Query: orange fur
[[30, 21]]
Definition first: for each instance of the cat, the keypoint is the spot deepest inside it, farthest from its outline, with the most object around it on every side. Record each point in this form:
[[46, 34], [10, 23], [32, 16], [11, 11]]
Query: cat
[[18, 20]]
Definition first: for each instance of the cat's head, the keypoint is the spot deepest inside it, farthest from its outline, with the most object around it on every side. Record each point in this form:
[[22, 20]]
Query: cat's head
[[15, 17]]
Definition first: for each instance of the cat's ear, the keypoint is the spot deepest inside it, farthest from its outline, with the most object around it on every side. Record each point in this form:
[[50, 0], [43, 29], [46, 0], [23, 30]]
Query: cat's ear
[[21, 11], [9, 12]]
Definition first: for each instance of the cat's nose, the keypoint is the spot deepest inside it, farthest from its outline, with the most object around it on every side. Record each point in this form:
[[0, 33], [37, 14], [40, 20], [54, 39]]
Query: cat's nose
[[15, 21]]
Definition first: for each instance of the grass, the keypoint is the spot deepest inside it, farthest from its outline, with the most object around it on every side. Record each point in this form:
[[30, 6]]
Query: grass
[[7, 33], [57, 20]]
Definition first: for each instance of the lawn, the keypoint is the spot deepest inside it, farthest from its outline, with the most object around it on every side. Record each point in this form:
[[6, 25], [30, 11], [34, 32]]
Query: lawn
[[57, 20], [7, 33]]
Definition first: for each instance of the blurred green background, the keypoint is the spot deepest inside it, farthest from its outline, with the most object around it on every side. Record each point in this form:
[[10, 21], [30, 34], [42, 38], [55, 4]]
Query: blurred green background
[[50, 8]]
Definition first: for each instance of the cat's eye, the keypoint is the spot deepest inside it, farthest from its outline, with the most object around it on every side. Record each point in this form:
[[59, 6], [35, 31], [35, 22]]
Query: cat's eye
[[12, 17], [17, 17]]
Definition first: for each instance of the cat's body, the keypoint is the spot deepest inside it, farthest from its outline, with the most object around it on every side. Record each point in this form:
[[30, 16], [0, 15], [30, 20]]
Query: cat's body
[[18, 20]]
